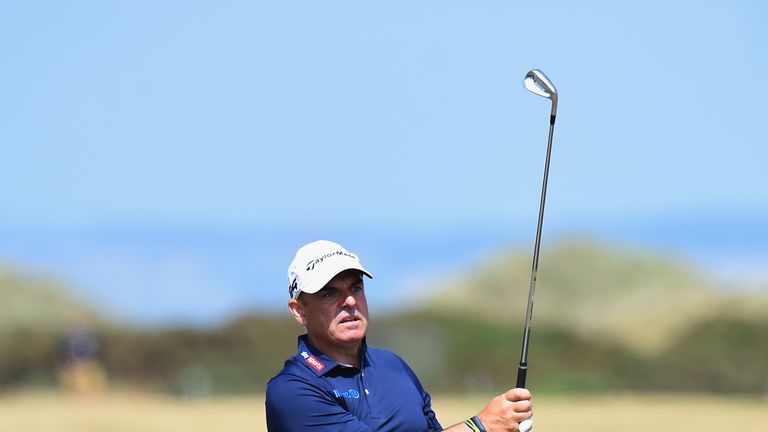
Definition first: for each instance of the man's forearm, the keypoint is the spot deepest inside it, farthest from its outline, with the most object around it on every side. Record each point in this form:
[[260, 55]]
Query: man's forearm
[[458, 427]]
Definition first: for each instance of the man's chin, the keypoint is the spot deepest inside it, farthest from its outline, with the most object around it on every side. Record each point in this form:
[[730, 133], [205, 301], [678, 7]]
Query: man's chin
[[352, 333]]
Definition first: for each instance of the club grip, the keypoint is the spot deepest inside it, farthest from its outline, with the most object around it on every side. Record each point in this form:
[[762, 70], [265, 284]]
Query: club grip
[[522, 371], [526, 425]]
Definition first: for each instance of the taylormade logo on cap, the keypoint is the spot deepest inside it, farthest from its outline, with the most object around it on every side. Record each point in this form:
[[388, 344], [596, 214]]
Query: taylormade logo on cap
[[316, 264], [311, 264]]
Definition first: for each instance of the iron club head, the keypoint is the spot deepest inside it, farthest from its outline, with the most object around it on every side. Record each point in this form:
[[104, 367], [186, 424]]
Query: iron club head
[[536, 82]]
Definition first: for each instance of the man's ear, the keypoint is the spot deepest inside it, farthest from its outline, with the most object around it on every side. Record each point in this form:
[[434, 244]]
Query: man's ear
[[297, 310]]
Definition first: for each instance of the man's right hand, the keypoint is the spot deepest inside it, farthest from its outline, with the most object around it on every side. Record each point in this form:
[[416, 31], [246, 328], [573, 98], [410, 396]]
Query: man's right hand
[[506, 411]]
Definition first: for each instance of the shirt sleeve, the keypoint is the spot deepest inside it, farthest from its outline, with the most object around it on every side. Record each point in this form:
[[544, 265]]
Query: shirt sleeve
[[434, 425], [292, 404], [426, 399]]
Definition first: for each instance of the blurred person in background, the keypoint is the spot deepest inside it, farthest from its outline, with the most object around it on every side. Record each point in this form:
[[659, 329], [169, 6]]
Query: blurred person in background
[[77, 361], [336, 382]]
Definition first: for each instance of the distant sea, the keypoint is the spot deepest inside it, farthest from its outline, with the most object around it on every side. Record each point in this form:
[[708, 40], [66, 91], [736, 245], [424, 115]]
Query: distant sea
[[205, 276]]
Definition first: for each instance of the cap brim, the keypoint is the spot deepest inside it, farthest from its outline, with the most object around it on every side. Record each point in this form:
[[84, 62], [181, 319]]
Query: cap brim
[[322, 278]]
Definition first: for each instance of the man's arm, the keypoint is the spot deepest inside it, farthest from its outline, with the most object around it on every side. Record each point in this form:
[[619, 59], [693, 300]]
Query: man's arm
[[503, 413], [293, 405]]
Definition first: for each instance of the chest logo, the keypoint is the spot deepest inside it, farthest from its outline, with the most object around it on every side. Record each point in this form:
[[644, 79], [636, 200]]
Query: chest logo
[[350, 394], [312, 361]]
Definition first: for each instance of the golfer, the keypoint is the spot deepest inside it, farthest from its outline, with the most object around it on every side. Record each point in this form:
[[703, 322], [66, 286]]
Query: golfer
[[336, 382]]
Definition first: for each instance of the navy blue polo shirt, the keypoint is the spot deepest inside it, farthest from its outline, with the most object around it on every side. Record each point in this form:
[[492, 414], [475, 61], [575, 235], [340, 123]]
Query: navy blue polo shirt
[[314, 393]]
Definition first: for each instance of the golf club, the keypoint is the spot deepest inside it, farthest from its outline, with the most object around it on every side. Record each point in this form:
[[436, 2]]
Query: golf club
[[538, 83]]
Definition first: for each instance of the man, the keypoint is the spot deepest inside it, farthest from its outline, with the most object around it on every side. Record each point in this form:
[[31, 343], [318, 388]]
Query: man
[[335, 382]]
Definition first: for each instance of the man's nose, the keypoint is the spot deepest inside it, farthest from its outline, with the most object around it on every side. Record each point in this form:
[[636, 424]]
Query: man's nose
[[349, 300]]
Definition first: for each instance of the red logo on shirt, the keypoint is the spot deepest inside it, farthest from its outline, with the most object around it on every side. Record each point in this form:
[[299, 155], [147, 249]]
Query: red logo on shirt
[[315, 363]]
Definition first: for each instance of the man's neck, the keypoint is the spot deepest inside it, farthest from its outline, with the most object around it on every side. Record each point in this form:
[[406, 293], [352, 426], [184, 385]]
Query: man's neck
[[342, 354]]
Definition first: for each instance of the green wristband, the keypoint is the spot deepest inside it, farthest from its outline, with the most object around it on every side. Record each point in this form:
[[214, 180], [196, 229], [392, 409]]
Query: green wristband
[[478, 424]]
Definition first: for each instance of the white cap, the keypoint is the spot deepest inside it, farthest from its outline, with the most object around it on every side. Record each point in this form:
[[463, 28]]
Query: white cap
[[316, 264]]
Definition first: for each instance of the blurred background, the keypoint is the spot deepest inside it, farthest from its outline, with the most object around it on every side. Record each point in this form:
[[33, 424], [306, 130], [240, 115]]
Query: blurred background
[[162, 162]]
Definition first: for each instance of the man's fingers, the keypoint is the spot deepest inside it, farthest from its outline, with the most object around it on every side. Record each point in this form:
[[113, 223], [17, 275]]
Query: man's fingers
[[520, 416], [517, 394], [522, 406]]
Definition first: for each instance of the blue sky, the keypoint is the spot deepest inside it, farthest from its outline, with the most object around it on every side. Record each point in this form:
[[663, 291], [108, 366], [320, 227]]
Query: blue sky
[[288, 122]]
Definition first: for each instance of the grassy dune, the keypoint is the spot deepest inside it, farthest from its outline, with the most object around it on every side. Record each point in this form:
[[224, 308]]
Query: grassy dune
[[640, 299], [45, 412]]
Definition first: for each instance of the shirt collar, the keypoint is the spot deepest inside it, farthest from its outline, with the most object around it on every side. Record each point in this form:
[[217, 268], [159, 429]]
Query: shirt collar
[[315, 360]]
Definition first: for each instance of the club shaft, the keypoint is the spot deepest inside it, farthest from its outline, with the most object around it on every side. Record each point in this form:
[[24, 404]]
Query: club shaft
[[522, 368]]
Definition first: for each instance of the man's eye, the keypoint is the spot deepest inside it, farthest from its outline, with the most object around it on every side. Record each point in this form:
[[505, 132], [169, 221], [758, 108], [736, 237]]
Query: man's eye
[[327, 294], [357, 288]]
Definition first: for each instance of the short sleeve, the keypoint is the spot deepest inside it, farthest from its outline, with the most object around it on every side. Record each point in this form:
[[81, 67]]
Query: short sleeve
[[426, 405], [293, 404]]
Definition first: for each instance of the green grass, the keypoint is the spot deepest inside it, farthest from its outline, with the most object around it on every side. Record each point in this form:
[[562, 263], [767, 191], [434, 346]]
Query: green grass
[[131, 412]]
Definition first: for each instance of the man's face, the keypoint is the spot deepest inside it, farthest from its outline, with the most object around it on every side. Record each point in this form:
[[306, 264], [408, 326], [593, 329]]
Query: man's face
[[337, 314]]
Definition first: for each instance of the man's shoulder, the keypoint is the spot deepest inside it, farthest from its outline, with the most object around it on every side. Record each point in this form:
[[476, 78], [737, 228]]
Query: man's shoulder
[[391, 361], [292, 371], [293, 377], [385, 356]]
